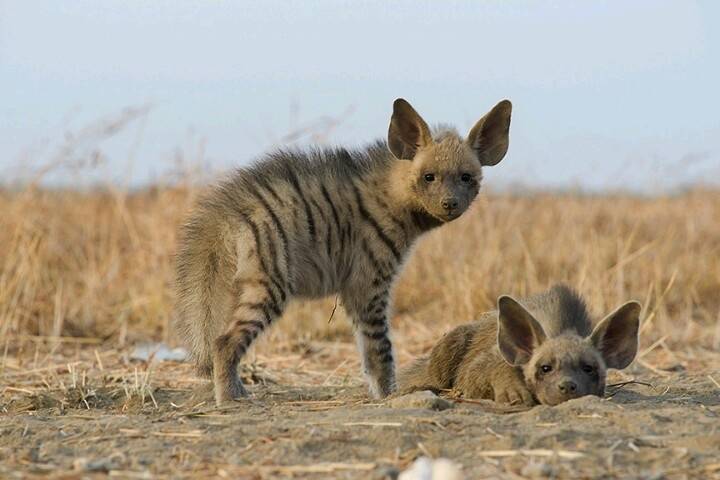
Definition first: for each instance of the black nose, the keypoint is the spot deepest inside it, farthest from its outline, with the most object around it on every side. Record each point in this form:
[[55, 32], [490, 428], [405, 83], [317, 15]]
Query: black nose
[[450, 203], [568, 387]]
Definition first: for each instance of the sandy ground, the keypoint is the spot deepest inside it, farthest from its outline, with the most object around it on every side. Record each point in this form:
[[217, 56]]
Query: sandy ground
[[127, 422]]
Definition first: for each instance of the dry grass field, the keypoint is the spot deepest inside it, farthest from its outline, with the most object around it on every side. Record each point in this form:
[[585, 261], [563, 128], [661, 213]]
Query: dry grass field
[[85, 276]]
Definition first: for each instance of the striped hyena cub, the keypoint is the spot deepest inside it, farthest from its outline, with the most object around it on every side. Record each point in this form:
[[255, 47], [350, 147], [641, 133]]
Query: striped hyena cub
[[541, 349], [309, 224]]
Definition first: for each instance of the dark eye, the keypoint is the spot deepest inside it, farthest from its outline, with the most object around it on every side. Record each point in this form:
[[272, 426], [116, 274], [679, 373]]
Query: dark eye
[[466, 177], [588, 368], [429, 177], [546, 368]]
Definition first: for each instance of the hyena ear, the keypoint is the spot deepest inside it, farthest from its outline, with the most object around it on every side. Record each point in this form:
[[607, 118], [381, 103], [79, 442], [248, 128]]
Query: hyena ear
[[408, 132], [519, 334], [489, 138], [616, 336]]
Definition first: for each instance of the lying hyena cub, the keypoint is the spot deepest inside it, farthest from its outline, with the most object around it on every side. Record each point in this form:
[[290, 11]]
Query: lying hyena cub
[[541, 349], [325, 221]]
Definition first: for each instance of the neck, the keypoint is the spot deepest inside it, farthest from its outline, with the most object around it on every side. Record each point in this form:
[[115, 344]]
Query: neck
[[398, 187]]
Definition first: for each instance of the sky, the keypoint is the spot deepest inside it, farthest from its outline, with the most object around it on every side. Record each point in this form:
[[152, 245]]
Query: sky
[[606, 95]]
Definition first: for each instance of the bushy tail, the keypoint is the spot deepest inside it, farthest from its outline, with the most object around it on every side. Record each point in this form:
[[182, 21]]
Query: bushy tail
[[194, 322], [188, 329]]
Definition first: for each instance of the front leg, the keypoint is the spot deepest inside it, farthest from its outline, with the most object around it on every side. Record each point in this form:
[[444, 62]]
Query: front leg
[[509, 387], [487, 375], [369, 313]]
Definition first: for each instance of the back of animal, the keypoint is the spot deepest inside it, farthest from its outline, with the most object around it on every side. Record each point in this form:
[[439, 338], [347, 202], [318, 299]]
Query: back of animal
[[559, 310]]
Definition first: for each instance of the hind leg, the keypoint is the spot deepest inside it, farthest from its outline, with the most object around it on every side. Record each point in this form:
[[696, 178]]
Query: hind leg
[[204, 369], [249, 320]]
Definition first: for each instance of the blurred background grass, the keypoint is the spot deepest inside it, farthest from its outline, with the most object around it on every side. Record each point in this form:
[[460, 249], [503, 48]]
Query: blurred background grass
[[99, 263]]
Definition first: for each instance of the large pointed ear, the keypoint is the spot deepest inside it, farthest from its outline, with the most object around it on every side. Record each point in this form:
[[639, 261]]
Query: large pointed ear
[[519, 334], [489, 138], [616, 336], [408, 131]]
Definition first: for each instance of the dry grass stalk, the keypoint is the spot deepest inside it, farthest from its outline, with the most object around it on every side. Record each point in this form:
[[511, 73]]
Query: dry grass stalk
[[538, 452]]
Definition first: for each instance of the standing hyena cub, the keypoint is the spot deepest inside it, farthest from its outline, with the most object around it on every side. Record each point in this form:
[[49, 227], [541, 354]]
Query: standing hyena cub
[[309, 224], [543, 348]]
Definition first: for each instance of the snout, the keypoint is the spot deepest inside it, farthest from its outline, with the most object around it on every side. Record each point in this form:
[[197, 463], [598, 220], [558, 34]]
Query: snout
[[450, 203], [451, 207], [568, 388]]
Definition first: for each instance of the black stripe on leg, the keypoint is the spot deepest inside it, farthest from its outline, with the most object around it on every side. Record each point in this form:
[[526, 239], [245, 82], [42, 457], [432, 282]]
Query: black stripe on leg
[[386, 357], [223, 341], [376, 298], [377, 303], [256, 324], [379, 335], [375, 321], [268, 289], [263, 264], [244, 345], [271, 291], [383, 345], [271, 307]]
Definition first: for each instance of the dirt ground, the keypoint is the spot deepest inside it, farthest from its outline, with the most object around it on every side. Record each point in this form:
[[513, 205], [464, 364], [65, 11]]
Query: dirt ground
[[86, 275], [91, 413]]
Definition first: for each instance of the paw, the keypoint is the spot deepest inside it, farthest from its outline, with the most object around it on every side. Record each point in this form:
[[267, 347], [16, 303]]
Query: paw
[[228, 391], [382, 389], [513, 393]]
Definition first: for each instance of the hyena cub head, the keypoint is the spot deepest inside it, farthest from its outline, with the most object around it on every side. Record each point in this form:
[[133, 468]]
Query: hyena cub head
[[566, 366], [445, 172]]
